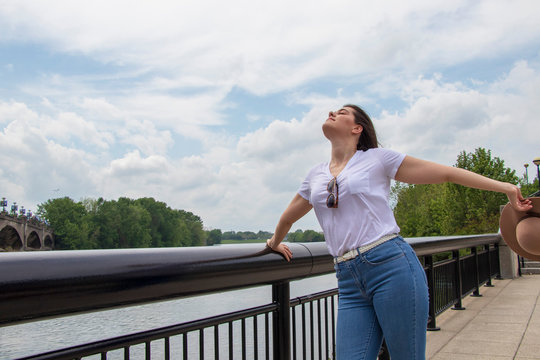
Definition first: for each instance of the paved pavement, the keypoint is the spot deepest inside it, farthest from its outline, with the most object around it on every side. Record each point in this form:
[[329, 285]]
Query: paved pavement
[[502, 324]]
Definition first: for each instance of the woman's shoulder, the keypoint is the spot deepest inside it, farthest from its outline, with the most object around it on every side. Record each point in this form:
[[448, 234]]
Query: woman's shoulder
[[382, 152], [384, 156]]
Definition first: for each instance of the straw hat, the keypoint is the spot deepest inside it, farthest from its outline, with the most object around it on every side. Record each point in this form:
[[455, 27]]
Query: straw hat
[[521, 229]]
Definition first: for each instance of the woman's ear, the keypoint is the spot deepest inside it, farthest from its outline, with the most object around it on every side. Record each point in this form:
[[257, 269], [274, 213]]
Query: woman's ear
[[357, 129]]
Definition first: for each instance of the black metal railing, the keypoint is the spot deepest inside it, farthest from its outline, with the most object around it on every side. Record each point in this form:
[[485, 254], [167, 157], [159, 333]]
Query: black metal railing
[[40, 285]]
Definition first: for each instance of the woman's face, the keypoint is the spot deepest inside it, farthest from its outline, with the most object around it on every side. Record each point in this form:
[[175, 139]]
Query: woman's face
[[340, 122]]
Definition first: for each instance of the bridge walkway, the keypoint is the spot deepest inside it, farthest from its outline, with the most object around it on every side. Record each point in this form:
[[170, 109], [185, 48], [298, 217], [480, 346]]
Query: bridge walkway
[[503, 324]]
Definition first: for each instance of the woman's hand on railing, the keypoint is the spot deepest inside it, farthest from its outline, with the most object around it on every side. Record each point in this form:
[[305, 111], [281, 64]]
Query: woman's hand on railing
[[280, 248]]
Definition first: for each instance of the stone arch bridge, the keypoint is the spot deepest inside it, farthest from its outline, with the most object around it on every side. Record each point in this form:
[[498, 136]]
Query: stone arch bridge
[[23, 234]]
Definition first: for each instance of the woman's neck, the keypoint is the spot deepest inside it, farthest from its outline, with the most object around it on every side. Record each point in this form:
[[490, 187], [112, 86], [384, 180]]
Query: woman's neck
[[341, 155]]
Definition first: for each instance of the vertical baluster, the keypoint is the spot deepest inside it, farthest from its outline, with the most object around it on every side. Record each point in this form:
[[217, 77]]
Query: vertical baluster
[[293, 332], [432, 324], [489, 284], [255, 339], [304, 350], [311, 330], [458, 281], [326, 328], [216, 342], [319, 328], [333, 327], [104, 355], [243, 322], [499, 277], [148, 354], [230, 340], [126, 353], [167, 348], [281, 335], [185, 346], [201, 344], [476, 292], [267, 336]]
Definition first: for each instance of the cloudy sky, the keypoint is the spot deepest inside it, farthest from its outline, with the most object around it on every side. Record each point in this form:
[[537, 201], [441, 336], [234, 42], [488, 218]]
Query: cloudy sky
[[216, 107]]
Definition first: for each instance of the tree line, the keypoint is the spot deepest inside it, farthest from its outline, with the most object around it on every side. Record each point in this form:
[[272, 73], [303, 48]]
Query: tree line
[[122, 223], [139, 223]]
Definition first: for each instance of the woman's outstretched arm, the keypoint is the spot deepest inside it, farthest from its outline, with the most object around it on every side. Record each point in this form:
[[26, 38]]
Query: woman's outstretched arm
[[296, 209], [417, 171]]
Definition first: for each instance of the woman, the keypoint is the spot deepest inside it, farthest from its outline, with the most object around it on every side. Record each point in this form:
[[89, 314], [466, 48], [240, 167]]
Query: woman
[[382, 285]]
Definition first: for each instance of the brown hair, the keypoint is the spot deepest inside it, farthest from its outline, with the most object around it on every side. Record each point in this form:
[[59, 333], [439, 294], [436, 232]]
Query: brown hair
[[368, 138]]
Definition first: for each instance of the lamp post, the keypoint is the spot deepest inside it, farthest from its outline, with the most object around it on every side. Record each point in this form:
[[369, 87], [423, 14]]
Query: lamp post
[[526, 174], [536, 162], [14, 208]]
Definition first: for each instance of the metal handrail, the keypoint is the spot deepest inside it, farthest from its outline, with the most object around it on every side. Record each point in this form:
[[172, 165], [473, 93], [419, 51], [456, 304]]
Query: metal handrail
[[37, 285]]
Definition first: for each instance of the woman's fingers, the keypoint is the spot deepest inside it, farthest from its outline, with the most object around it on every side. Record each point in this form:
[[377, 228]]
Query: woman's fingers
[[285, 251], [517, 200]]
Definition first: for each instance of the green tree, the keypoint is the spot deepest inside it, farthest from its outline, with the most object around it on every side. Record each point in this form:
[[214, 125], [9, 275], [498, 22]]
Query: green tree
[[450, 209], [305, 236], [133, 225], [297, 236], [213, 237], [68, 219]]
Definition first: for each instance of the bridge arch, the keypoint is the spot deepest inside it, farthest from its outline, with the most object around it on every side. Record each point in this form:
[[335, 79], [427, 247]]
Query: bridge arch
[[10, 240], [48, 242], [33, 242]]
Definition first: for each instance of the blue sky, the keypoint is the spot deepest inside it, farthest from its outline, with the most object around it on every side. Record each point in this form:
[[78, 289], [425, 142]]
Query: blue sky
[[216, 107]]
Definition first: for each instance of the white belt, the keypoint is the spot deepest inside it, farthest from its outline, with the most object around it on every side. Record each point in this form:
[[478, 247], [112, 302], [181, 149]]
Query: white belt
[[362, 249]]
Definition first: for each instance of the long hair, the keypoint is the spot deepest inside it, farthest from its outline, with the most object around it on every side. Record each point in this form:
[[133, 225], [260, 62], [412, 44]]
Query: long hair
[[368, 137]]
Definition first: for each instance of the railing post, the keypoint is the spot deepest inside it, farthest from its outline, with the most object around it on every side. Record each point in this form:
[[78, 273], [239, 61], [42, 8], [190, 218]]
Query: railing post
[[458, 280], [476, 292], [489, 284], [281, 328], [432, 323], [498, 263]]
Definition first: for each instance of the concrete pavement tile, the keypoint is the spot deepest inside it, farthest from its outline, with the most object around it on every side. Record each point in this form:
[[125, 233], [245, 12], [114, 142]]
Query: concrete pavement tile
[[457, 321], [499, 336], [497, 326], [436, 340], [503, 318], [532, 336], [529, 350], [514, 304], [473, 348], [449, 356]]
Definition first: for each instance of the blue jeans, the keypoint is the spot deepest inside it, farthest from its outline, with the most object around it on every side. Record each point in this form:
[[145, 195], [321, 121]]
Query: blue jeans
[[382, 293]]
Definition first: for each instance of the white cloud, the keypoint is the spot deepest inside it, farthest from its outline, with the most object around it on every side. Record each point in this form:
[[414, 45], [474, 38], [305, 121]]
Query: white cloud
[[275, 45], [171, 65], [443, 119]]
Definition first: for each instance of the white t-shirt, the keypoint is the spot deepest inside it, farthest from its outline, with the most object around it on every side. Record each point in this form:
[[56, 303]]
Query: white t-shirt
[[363, 214]]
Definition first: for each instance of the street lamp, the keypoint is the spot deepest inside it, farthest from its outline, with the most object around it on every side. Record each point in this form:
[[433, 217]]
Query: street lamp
[[14, 208], [526, 174], [536, 162]]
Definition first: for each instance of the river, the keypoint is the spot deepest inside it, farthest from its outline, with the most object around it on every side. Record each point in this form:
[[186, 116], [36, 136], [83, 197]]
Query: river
[[45, 335]]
